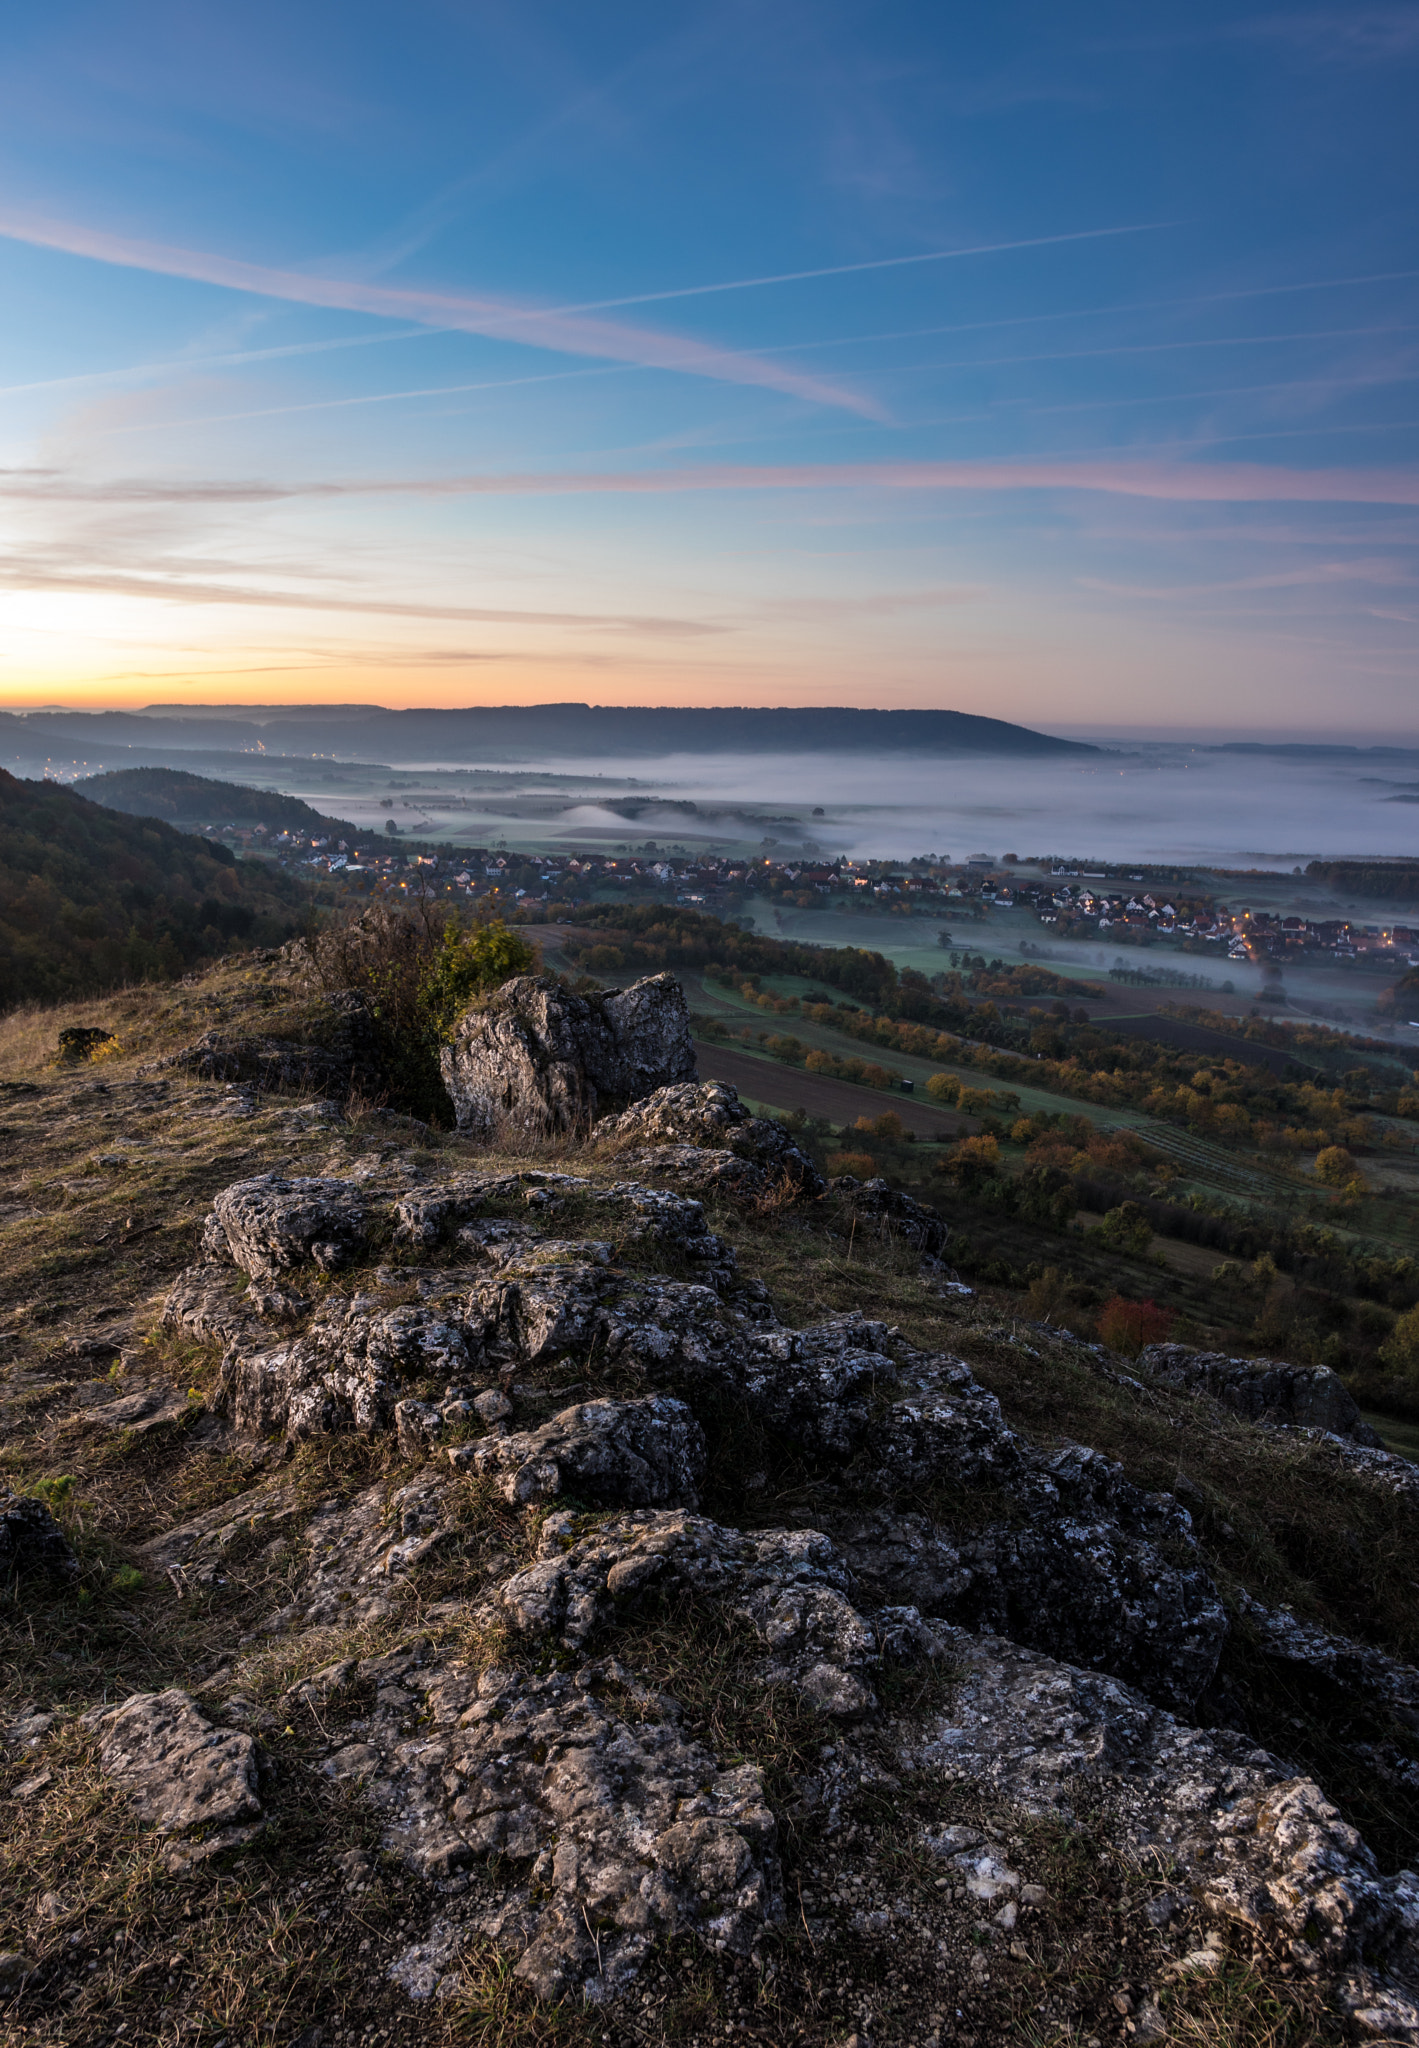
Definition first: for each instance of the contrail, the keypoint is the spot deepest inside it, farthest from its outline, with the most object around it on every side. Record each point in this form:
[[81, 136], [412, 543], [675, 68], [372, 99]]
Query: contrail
[[746, 284]]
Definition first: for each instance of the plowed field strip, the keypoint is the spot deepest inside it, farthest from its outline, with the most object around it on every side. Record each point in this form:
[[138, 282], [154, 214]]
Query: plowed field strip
[[841, 1102]]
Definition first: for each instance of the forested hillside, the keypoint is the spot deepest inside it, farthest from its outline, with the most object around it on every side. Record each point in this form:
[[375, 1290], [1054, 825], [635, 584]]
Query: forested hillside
[[90, 899]]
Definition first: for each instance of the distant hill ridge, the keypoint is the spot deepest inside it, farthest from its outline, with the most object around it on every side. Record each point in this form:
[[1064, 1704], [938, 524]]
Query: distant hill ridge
[[519, 732], [186, 799]]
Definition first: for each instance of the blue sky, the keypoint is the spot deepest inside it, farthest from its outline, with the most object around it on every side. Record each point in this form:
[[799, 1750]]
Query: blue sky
[[1061, 364]]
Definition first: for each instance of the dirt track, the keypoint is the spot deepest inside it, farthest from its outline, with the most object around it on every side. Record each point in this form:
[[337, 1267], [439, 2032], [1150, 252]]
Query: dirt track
[[841, 1102]]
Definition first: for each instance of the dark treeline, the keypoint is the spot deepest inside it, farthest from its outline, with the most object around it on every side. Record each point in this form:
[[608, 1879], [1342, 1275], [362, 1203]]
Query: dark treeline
[[1390, 880]]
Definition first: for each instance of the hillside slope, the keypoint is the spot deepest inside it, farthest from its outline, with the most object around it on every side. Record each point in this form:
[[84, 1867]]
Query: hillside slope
[[90, 899], [185, 799]]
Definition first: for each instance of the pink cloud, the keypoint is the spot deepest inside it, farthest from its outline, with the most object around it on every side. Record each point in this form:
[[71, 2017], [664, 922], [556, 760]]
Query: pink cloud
[[567, 331]]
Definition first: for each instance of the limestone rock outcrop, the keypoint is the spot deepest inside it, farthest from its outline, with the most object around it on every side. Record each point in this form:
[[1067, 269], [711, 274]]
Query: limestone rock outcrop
[[616, 1826], [537, 1058], [669, 1130], [1259, 1847], [269, 1224], [1264, 1389], [617, 1453]]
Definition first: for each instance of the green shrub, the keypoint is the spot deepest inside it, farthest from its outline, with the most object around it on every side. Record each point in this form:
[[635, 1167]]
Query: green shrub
[[466, 964]]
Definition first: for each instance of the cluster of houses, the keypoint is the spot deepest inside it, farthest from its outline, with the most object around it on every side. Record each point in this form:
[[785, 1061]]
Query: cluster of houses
[[1072, 901], [1243, 934]]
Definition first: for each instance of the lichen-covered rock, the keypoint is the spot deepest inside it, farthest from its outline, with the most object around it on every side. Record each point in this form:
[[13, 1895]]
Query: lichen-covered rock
[[538, 1058], [874, 1208], [614, 1453], [820, 1387], [790, 1585], [269, 1224], [1058, 1550], [32, 1544], [1256, 1845], [709, 1116], [185, 1777], [349, 1369], [615, 1826], [1264, 1389]]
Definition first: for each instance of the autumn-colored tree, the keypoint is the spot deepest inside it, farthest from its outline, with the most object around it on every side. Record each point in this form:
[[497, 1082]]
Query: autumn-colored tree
[[1128, 1326], [1127, 1229], [1335, 1167], [1400, 1350], [861, 1164]]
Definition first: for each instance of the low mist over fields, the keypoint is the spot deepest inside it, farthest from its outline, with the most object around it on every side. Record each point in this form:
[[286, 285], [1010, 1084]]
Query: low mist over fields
[[1155, 804]]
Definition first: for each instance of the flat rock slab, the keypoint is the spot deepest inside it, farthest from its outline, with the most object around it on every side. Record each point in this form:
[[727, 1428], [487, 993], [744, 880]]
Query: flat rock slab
[[185, 1777]]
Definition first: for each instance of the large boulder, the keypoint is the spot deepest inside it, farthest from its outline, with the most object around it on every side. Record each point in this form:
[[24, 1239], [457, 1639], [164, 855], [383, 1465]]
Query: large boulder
[[539, 1058], [673, 1127]]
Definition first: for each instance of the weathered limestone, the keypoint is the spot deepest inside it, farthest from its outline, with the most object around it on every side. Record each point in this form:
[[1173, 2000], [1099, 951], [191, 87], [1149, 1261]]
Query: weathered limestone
[[615, 1827], [709, 1117], [1257, 1846], [346, 1372], [1264, 1389], [184, 1776], [269, 1224], [538, 1058], [637, 1453], [791, 1585]]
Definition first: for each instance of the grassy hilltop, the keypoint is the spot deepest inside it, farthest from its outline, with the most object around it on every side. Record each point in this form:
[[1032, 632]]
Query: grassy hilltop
[[1066, 1195]]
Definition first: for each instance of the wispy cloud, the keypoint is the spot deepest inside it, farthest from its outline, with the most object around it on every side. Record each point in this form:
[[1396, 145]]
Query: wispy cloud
[[1355, 35], [1312, 574], [569, 331], [19, 572], [746, 284], [1178, 481]]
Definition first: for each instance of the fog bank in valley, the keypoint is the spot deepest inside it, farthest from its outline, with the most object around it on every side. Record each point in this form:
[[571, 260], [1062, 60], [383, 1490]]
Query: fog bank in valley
[[1151, 804]]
